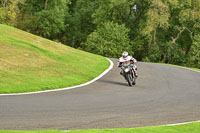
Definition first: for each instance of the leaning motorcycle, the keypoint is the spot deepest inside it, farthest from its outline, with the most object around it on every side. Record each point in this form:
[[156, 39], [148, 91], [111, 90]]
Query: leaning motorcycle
[[127, 69]]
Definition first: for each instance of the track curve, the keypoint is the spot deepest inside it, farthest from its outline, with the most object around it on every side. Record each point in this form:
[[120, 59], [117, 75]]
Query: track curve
[[163, 95]]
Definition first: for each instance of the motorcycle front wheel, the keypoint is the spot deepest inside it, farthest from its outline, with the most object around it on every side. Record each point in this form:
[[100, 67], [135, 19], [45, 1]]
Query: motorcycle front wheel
[[134, 81], [129, 79]]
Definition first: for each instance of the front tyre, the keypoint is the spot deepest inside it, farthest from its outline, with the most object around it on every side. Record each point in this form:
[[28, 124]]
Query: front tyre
[[129, 79], [134, 80]]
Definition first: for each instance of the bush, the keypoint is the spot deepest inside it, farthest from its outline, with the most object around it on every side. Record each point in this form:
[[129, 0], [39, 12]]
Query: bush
[[110, 39], [171, 53], [194, 55]]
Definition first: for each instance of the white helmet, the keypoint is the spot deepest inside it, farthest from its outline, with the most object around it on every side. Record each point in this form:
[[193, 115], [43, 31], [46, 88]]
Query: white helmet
[[124, 54]]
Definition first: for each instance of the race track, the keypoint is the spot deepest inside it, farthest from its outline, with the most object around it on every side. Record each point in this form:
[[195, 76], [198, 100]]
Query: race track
[[163, 95]]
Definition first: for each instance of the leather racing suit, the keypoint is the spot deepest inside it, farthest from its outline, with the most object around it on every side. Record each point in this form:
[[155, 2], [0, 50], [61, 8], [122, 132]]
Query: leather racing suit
[[128, 58]]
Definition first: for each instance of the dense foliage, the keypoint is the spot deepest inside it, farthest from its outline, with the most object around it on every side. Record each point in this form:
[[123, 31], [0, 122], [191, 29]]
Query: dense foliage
[[108, 40], [154, 30]]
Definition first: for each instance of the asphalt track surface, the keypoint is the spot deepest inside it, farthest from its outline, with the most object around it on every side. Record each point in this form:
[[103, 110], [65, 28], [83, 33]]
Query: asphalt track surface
[[163, 95]]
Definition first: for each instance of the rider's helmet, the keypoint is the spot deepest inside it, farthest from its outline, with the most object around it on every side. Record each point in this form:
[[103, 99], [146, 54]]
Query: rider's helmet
[[124, 54]]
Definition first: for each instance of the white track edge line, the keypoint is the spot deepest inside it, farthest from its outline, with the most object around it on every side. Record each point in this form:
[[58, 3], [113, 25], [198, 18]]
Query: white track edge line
[[181, 123], [68, 88], [176, 124]]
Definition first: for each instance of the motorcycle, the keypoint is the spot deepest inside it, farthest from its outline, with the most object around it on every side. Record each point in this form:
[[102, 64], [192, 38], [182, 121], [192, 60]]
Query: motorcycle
[[128, 73]]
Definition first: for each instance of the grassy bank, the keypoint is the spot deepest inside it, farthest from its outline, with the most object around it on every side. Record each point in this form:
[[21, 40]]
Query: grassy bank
[[30, 63], [185, 128]]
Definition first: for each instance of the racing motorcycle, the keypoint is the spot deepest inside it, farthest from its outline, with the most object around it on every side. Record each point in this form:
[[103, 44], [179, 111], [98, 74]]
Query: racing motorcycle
[[128, 72]]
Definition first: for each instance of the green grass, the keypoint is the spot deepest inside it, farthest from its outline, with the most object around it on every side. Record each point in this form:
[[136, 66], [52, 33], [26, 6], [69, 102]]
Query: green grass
[[29, 63], [185, 128]]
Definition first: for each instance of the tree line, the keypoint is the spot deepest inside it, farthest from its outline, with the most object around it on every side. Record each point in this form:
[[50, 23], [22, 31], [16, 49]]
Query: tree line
[[152, 30]]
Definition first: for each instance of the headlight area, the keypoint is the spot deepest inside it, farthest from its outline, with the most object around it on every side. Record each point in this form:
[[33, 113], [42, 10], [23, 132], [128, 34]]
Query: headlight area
[[126, 70]]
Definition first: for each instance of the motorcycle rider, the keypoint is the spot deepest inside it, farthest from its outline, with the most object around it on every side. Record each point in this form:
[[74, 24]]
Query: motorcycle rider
[[125, 57]]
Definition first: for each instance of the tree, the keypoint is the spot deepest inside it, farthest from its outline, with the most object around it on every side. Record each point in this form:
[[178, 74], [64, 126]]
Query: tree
[[157, 17], [50, 24], [45, 4], [110, 40], [80, 21], [154, 30], [171, 31], [112, 10], [47, 21], [8, 11], [194, 55]]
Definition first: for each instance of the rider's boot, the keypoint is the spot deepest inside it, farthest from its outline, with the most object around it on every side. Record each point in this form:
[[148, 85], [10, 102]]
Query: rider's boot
[[135, 72]]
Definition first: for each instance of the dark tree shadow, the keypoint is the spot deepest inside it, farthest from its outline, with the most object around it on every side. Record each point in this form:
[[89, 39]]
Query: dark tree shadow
[[114, 82]]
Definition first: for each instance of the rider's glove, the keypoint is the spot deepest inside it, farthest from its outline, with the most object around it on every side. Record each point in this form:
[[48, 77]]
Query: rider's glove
[[120, 64], [132, 62]]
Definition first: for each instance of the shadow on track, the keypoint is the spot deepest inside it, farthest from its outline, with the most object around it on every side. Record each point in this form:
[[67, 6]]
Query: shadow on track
[[113, 82]]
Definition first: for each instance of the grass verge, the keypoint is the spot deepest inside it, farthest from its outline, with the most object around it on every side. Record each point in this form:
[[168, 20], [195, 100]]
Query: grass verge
[[29, 63], [185, 128], [196, 69]]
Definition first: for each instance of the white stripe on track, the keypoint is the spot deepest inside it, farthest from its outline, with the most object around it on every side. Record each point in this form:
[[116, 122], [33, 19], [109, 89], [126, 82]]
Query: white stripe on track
[[149, 126], [181, 123], [68, 88]]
